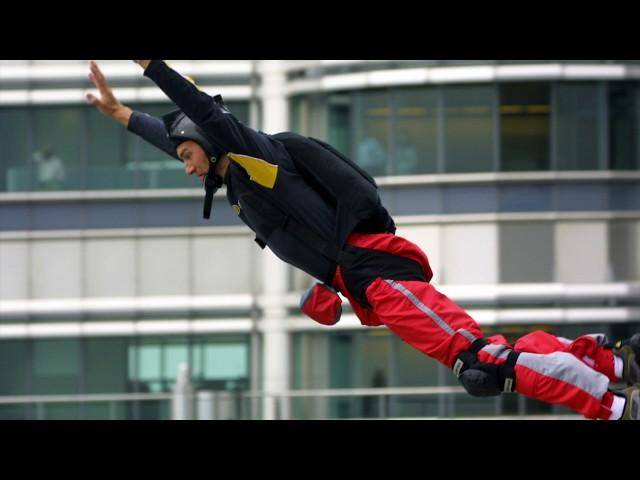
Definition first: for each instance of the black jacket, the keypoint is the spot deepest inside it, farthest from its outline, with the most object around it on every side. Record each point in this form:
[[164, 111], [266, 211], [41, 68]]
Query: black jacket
[[265, 186]]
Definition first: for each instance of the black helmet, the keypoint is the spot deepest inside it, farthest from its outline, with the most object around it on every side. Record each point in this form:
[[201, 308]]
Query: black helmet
[[181, 128]]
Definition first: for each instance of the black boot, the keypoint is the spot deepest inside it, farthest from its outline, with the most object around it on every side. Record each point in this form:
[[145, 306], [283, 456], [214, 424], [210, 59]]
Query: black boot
[[632, 405], [629, 351]]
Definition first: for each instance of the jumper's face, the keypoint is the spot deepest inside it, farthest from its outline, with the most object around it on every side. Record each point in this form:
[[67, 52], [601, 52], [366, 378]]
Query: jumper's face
[[194, 158]]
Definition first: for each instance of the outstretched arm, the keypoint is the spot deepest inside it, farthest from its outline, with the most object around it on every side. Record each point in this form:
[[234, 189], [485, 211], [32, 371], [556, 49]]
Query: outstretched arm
[[229, 134], [149, 128]]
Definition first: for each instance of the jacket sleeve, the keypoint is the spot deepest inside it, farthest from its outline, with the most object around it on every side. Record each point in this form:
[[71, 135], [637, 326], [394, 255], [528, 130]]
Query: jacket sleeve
[[152, 130], [227, 131]]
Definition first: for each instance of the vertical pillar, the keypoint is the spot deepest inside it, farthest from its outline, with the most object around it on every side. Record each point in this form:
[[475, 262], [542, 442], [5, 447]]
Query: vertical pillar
[[182, 402], [275, 351]]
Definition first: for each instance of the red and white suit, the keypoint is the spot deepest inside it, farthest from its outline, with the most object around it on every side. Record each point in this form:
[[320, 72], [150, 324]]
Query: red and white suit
[[552, 369]]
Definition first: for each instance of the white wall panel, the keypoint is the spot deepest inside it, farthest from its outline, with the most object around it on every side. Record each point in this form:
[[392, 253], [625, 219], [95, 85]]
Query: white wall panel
[[56, 268], [163, 266], [581, 252], [428, 238], [110, 267], [470, 254], [224, 264], [14, 281]]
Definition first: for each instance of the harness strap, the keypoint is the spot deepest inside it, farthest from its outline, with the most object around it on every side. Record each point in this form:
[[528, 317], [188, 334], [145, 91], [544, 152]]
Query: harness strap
[[212, 183], [508, 372], [467, 358]]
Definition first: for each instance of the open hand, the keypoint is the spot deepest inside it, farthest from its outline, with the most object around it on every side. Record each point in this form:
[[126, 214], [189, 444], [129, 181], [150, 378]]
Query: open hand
[[107, 103]]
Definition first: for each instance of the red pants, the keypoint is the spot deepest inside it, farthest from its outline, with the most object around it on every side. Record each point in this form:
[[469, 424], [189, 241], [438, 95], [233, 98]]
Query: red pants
[[555, 370]]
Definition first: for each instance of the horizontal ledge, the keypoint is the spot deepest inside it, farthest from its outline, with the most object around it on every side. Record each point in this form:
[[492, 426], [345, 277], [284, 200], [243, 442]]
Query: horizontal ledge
[[460, 74], [127, 329], [66, 96], [386, 181], [125, 305], [484, 294]]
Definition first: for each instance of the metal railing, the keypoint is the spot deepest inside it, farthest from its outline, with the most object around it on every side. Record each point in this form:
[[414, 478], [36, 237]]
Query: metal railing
[[386, 403], [121, 406], [317, 404]]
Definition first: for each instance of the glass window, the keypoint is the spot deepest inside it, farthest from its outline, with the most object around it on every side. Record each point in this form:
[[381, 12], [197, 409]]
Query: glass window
[[15, 412], [624, 112], [372, 132], [176, 353], [297, 357], [341, 365], [59, 141], [314, 116], [375, 354], [579, 137], [224, 361], [148, 166], [105, 365], [375, 351], [76, 147], [340, 118], [56, 366], [240, 110], [415, 148], [221, 362], [469, 128], [309, 115], [295, 114], [150, 361], [413, 368], [468, 406], [145, 365], [524, 126], [14, 364], [14, 157], [105, 164], [216, 362]]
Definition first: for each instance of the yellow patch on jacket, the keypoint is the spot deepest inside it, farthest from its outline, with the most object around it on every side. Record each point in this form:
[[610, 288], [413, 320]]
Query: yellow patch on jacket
[[260, 171]]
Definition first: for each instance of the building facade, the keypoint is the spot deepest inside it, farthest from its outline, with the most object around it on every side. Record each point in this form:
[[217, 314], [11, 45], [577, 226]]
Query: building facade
[[519, 179]]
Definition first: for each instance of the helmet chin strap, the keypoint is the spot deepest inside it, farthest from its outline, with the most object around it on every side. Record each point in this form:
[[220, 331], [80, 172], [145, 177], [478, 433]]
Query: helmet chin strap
[[212, 182], [180, 128]]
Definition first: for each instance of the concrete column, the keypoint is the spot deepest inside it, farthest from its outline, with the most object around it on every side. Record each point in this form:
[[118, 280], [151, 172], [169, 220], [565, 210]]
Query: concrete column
[[272, 93], [275, 351], [216, 406], [182, 402]]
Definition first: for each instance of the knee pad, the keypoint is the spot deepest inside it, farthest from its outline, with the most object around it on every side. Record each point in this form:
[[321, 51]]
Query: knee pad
[[479, 383], [484, 379]]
